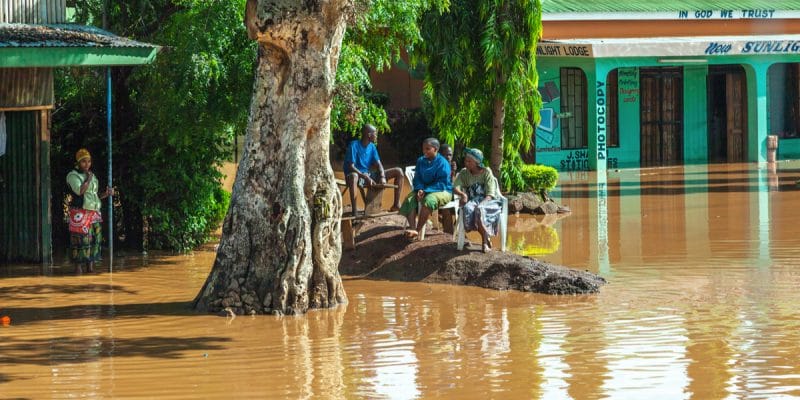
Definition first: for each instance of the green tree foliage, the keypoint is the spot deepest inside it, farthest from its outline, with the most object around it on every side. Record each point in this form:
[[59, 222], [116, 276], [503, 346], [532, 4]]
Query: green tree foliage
[[480, 60], [354, 103], [174, 121], [380, 29]]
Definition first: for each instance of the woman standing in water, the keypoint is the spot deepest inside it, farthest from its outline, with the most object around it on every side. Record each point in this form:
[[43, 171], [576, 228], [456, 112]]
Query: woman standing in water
[[85, 230]]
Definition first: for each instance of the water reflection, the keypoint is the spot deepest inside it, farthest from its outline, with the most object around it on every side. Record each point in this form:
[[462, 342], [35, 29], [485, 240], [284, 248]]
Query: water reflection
[[539, 237], [701, 304], [688, 211]]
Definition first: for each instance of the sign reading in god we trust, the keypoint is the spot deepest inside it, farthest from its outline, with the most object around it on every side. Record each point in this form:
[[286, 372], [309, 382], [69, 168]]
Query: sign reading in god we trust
[[563, 50], [735, 14]]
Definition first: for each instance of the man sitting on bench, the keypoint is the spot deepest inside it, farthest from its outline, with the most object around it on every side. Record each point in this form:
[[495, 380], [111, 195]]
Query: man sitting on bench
[[360, 157]]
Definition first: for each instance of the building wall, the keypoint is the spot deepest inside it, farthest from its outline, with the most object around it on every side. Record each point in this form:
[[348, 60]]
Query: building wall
[[549, 150], [33, 11], [401, 83], [548, 147], [26, 88], [629, 100], [671, 28], [404, 91]]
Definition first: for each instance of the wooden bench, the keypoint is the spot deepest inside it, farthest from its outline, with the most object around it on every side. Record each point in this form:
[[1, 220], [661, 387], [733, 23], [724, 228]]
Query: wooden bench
[[373, 198], [348, 231], [373, 208], [447, 214]]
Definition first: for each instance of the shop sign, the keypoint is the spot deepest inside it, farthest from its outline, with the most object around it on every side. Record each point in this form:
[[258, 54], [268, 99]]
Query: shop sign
[[753, 47], [563, 50], [601, 121], [628, 83]]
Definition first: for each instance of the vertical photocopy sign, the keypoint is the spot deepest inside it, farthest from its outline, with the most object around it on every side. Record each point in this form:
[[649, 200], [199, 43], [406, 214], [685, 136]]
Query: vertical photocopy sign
[[601, 124]]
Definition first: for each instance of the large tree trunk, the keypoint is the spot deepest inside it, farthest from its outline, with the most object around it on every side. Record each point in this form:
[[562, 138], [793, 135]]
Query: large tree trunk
[[280, 245]]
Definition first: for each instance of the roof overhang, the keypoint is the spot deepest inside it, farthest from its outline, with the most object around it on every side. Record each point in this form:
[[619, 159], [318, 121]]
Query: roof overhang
[[23, 46], [698, 46]]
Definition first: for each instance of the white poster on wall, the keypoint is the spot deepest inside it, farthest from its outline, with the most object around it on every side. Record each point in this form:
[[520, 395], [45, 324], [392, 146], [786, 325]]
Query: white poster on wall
[[2, 133]]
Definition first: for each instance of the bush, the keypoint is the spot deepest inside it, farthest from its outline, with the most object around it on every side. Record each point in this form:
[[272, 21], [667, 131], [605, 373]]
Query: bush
[[539, 179], [222, 200], [187, 227]]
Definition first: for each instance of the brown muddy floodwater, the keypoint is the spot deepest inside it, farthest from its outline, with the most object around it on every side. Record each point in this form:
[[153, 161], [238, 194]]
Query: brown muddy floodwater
[[702, 300]]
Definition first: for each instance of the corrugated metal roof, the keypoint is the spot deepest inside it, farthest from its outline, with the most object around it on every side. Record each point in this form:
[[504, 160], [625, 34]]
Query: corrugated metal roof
[[563, 6], [62, 35], [26, 87]]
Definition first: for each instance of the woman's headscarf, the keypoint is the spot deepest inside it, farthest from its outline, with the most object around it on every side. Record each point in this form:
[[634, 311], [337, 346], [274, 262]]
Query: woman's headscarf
[[82, 154], [475, 154]]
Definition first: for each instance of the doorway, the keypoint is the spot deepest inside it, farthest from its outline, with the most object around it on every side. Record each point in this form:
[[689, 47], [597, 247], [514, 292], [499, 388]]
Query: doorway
[[727, 113], [661, 116]]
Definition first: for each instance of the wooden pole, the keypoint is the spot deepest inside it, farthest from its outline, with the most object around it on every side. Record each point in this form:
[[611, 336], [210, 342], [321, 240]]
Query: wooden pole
[[110, 175]]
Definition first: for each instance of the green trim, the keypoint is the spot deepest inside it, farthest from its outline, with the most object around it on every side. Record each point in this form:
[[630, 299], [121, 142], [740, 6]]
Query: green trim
[[75, 56], [695, 114], [564, 6], [757, 112]]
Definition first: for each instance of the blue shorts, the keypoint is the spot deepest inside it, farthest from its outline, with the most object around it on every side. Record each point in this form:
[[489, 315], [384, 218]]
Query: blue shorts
[[375, 175]]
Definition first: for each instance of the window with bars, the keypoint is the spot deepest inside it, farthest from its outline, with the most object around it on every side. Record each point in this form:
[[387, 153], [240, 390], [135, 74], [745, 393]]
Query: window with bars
[[784, 100], [573, 109]]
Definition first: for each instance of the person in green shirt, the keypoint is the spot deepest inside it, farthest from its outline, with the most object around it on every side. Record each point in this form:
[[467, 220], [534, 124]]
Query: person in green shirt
[[85, 219], [478, 193]]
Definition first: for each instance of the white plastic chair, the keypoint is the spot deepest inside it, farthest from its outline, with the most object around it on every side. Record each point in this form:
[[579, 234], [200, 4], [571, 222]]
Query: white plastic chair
[[453, 204], [460, 232], [410, 175]]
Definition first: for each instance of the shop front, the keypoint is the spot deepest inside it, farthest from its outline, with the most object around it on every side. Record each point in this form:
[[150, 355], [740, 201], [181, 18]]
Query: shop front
[[644, 102]]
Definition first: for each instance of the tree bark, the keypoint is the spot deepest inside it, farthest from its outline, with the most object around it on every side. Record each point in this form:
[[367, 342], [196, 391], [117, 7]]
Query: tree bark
[[498, 120], [280, 245]]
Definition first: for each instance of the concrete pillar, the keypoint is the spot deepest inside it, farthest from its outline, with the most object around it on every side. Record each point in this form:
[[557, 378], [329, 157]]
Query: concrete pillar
[[757, 94]]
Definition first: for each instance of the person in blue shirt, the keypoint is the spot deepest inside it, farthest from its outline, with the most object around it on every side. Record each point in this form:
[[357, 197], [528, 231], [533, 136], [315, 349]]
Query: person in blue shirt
[[360, 158], [447, 152], [433, 187]]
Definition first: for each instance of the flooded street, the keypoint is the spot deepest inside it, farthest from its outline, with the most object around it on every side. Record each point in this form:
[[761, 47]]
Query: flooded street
[[703, 264]]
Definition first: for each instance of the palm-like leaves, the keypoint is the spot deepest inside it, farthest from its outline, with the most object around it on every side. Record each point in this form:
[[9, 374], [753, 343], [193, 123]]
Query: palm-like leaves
[[480, 51]]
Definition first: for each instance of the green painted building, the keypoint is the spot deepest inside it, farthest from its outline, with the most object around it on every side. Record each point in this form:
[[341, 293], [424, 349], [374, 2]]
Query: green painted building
[[637, 84]]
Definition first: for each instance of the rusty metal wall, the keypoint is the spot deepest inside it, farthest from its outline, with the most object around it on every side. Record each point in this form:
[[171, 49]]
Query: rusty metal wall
[[26, 87], [33, 11], [20, 216]]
